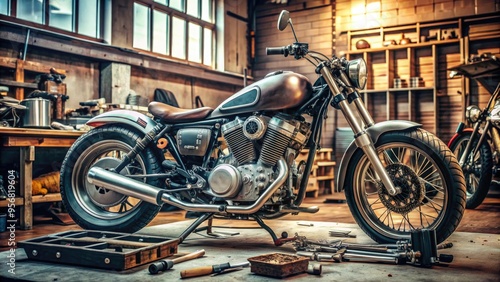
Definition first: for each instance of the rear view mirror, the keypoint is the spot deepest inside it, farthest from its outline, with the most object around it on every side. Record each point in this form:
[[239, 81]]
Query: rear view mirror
[[283, 20]]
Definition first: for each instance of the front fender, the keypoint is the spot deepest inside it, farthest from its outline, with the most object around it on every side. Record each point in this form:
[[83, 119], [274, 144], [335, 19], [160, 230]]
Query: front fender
[[134, 119], [375, 132], [460, 131]]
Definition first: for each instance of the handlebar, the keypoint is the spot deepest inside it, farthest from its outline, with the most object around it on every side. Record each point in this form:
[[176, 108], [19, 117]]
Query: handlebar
[[277, 51], [297, 49]]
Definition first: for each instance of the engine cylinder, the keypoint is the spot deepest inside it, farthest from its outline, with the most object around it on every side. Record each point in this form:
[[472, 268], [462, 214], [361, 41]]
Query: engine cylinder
[[276, 140], [241, 147]]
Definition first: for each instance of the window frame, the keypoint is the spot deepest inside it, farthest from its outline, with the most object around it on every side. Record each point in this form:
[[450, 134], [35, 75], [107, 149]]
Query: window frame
[[12, 17], [171, 13]]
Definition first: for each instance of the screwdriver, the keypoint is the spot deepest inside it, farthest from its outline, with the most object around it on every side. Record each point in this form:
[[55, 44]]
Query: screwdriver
[[209, 269]]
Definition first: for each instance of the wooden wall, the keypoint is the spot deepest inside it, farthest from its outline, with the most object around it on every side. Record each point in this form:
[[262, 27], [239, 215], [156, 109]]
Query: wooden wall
[[313, 23]]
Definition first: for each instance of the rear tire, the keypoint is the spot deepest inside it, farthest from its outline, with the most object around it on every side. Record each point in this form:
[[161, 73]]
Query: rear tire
[[97, 208], [433, 188], [478, 170]]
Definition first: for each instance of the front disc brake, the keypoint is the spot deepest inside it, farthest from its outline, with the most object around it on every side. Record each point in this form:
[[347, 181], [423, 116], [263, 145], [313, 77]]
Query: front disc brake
[[412, 189]]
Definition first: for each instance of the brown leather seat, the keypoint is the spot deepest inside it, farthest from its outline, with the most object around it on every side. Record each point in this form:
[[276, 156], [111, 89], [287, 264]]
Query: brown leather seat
[[172, 114]]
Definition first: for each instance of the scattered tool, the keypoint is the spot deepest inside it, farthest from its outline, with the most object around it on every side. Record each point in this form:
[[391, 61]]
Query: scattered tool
[[163, 265], [336, 233], [315, 269], [422, 251], [216, 268]]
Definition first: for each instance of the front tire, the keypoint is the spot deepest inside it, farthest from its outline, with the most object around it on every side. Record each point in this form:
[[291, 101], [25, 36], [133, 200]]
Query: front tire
[[478, 169], [97, 208], [432, 183]]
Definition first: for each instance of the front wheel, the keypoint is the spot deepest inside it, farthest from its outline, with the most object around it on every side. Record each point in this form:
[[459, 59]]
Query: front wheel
[[478, 169], [431, 181], [94, 207]]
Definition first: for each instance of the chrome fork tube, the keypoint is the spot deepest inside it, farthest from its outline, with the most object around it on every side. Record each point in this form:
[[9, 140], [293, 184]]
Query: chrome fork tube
[[363, 112], [361, 137]]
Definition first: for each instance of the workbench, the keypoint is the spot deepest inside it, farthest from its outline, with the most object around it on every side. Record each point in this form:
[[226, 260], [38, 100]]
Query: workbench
[[27, 141], [476, 257]]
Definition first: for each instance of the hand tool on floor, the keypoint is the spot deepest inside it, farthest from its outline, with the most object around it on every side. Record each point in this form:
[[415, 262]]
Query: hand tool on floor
[[337, 257], [163, 265], [210, 269], [315, 269]]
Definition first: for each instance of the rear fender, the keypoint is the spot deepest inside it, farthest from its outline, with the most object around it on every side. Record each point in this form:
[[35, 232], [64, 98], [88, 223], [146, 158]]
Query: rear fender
[[375, 132], [134, 119]]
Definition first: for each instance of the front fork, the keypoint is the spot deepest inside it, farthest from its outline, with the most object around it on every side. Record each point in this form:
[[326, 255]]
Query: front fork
[[362, 139], [471, 151]]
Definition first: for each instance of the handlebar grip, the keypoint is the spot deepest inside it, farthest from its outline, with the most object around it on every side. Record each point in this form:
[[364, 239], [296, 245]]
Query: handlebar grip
[[276, 51]]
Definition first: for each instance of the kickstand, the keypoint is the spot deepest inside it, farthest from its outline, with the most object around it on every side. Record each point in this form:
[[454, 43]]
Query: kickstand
[[218, 234], [277, 241]]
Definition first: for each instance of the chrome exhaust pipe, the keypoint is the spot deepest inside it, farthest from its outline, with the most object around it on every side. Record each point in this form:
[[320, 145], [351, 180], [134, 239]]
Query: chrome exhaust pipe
[[154, 195]]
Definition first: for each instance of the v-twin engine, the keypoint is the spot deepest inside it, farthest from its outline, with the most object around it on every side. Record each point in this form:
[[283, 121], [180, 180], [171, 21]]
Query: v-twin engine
[[256, 144]]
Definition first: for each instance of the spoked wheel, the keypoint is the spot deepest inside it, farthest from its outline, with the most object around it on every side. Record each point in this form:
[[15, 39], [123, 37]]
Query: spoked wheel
[[478, 169], [94, 207], [431, 182]]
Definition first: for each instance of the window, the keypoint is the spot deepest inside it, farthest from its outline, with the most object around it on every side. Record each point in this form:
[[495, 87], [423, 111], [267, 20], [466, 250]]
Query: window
[[181, 29], [179, 37], [81, 17], [31, 10], [141, 26], [194, 45], [160, 32], [5, 7], [61, 14], [89, 24]]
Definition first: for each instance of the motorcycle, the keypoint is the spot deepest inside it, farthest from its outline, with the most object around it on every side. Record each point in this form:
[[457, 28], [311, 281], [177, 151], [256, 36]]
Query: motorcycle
[[478, 148], [237, 161]]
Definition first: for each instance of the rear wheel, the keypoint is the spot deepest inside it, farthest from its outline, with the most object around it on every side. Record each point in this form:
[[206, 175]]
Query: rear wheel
[[431, 181], [94, 207], [478, 169]]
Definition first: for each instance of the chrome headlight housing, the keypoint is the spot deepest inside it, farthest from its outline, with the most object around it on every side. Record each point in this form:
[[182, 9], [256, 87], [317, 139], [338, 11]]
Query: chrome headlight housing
[[472, 113], [356, 70]]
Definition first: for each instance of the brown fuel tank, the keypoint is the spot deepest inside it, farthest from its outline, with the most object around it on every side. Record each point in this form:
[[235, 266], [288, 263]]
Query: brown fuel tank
[[279, 90]]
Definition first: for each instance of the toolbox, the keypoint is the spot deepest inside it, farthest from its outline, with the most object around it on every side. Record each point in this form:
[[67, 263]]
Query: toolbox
[[100, 249]]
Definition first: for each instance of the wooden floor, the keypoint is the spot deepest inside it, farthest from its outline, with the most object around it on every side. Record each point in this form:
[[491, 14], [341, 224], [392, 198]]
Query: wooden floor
[[483, 219]]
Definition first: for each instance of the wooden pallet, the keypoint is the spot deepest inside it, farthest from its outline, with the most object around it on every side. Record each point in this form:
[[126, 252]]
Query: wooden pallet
[[100, 249]]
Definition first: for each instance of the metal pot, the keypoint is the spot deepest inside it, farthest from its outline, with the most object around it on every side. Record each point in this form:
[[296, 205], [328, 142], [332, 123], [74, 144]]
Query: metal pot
[[37, 113]]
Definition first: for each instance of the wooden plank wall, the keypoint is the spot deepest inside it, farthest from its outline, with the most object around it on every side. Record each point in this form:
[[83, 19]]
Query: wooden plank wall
[[313, 24]]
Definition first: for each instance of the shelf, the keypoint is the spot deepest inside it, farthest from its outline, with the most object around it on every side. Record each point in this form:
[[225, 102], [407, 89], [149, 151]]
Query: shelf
[[398, 89], [19, 201], [51, 197], [29, 141], [405, 46], [18, 84]]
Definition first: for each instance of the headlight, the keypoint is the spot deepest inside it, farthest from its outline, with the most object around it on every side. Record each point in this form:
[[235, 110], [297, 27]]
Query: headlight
[[472, 113], [356, 70]]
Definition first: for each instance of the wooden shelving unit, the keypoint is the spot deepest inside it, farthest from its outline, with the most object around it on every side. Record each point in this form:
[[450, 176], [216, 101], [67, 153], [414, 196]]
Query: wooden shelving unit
[[434, 48], [29, 141]]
